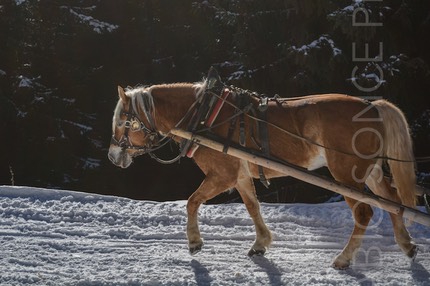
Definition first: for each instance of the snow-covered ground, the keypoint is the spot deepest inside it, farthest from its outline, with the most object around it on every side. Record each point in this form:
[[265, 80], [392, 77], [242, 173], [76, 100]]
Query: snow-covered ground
[[53, 237]]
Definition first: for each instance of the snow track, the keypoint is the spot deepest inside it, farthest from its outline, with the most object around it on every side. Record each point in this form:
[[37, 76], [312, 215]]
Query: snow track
[[52, 237]]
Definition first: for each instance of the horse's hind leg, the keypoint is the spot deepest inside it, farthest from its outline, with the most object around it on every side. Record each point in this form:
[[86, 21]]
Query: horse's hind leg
[[362, 214], [381, 187], [213, 185], [340, 168], [246, 189]]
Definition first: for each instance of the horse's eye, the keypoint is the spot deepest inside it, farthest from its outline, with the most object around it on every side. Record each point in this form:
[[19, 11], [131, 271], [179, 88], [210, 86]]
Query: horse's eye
[[135, 125]]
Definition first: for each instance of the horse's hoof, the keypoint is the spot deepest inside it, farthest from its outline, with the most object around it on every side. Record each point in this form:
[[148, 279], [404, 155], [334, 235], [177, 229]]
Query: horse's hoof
[[340, 263], [256, 252], [412, 254], [340, 266], [195, 249]]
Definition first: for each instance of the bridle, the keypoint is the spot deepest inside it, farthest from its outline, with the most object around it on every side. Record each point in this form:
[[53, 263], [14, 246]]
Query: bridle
[[155, 139], [134, 124]]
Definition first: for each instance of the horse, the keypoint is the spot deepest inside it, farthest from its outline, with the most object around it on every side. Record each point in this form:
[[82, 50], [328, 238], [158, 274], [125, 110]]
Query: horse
[[350, 136]]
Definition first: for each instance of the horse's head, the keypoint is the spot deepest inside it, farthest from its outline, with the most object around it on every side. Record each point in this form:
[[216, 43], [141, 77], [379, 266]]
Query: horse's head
[[131, 134]]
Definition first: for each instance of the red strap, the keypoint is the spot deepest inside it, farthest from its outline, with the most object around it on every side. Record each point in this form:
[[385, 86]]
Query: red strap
[[192, 150], [217, 108], [211, 119]]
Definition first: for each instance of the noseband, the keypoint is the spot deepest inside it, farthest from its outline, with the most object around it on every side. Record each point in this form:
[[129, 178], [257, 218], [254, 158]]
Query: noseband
[[134, 124]]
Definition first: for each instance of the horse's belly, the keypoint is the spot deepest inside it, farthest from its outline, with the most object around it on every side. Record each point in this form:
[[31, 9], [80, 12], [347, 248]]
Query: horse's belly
[[316, 162]]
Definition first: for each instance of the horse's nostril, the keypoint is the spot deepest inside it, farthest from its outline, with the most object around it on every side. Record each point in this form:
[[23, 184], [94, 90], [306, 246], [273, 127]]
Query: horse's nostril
[[111, 158]]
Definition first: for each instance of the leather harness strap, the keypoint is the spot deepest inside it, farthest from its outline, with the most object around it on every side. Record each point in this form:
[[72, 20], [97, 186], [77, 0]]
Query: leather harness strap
[[208, 108], [213, 110], [242, 101], [200, 109], [264, 137]]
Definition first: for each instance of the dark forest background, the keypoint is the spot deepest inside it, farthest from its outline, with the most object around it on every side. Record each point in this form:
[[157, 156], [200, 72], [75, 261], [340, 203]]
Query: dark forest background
[[60, 63]]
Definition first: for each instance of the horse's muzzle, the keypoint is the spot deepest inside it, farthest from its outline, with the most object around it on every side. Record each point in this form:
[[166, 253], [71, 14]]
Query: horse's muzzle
[[119, 157]]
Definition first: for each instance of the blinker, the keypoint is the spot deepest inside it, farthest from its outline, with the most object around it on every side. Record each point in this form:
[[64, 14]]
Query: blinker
[[135, 125]]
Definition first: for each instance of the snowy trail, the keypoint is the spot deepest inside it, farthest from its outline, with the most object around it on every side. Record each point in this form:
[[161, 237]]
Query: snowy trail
[[52, 237]]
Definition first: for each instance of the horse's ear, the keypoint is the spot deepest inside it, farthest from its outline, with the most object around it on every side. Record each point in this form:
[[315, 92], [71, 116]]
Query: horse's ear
[[213, 78], [121, 94]]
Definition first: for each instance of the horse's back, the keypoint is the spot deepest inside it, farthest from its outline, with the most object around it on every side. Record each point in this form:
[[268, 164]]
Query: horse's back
[[336, 121], [330, 111], [327, 102], [324, 112]]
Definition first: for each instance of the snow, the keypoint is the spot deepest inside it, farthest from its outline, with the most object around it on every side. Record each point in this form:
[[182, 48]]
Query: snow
[[84, 128], [97, 25], [322, 41], [25, 82], [90, 163], [237, 75], [33, 83], [348, 10], [56, 237], [19, 2]]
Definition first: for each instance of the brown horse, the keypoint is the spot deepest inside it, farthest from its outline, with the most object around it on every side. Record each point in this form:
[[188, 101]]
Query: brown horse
[[348, 135]]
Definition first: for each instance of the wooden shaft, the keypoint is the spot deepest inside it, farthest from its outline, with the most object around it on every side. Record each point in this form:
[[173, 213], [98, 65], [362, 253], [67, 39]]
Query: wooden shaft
[[309, 177]]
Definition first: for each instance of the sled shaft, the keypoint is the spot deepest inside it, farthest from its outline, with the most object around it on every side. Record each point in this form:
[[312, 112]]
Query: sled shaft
[[307, 176]]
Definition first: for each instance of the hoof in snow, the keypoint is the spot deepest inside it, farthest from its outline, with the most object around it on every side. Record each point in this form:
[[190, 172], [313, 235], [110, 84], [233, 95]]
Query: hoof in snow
[[340, 263], [340, 267], [256, 252], [196, 249], [412, 254]]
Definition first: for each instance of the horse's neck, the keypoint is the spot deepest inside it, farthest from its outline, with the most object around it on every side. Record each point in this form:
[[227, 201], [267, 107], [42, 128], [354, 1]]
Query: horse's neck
[[172, 102]]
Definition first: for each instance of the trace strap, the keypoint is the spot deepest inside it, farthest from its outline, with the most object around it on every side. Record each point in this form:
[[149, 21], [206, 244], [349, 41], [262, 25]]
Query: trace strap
[[264, 137]]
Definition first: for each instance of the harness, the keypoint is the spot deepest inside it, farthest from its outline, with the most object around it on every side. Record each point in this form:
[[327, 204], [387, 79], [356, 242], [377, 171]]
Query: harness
[[213, 110], [206, 112], [134, 124]]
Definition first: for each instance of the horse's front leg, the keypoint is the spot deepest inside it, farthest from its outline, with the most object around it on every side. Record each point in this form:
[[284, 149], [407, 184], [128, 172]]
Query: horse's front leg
[[246, 189], [213, 185]]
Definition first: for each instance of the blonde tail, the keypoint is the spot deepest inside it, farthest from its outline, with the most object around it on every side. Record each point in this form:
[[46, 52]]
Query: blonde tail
[[398, 145]]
